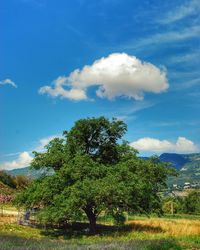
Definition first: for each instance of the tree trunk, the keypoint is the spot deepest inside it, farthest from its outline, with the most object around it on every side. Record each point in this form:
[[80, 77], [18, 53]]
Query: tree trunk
[[92, 220]]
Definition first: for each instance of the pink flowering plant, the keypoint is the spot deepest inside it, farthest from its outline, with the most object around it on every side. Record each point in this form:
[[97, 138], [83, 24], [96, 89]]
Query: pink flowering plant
[[5, 199]]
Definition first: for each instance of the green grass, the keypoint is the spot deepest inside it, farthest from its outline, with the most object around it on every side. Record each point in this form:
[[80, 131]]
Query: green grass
[[19, 243], [144, 233], [109, 219]]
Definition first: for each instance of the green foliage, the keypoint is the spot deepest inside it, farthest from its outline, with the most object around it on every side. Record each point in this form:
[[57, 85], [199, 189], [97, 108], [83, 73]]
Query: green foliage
[[96, 137], [119, 218], [183, 205], [53, 158], [192, 202], [93, 172], [172, 206]]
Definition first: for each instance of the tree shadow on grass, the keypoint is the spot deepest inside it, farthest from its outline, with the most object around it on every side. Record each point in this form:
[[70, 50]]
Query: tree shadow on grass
[[79, 230]]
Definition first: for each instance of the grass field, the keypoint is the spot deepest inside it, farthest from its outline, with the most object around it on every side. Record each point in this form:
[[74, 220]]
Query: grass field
[[140, 233]]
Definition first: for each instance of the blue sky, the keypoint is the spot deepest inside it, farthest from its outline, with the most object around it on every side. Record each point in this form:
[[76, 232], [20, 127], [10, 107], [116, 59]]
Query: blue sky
[[44, 42]]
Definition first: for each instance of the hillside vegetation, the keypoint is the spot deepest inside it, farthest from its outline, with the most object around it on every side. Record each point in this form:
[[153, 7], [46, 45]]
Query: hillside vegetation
[[5, 189], [188, 166], [9, 184]]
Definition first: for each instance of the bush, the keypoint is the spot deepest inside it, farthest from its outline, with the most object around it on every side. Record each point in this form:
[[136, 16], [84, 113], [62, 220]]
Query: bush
[[192, 202], [172, 205]]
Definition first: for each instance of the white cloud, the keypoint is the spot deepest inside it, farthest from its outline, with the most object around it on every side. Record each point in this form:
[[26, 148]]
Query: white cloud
[[59, 91], [23, 160], [44, 141], [163, 38], [187, 84], [152, 145], [128, 113], [119, 74], [190, 7], [188, 58], [8, 82]]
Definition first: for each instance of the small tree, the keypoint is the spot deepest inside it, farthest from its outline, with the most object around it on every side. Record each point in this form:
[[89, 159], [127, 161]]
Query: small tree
[[192, 202], [172, 205], [93, 172]]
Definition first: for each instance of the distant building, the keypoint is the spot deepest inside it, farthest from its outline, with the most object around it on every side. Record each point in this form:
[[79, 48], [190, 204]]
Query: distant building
[[187, 184]]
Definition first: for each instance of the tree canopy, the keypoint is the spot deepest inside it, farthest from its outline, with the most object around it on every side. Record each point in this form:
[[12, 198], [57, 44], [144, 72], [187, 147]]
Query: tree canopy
[[192, 202], [94, 171]]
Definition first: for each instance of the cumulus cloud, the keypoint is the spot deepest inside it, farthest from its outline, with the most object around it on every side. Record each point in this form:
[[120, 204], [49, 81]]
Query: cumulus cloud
[[23, 160], [119, 74], [8, 82], [152, 145], [58, 90]]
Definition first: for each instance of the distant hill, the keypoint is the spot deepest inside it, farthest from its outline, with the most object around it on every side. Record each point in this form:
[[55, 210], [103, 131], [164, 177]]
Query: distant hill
[[188, 166], [21, 171], [177, 160], [27, 171]]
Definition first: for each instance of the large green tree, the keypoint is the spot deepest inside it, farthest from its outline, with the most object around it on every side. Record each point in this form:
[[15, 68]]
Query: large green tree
[[94, 171]]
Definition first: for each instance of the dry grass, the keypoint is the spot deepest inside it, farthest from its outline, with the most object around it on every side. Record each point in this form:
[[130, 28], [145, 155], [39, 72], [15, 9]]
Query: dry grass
[[180, 227], [142, 227], [7, 220]]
